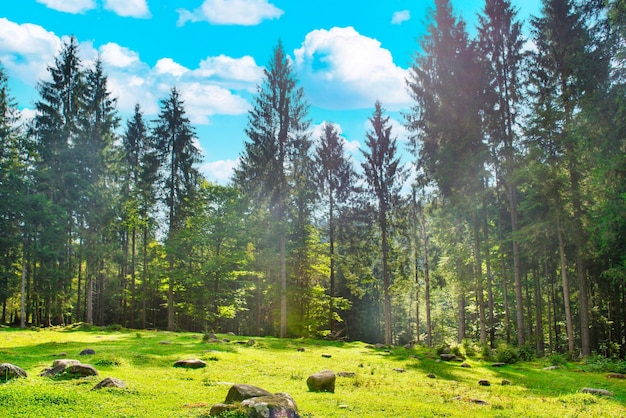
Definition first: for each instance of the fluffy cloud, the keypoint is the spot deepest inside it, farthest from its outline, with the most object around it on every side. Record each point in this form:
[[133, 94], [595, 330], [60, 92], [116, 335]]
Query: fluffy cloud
[[231, 12], [400, 17], [128, 8], [219, 171], [218, 85], [69, 6], [342, 69], [118, 56], [26, 50]]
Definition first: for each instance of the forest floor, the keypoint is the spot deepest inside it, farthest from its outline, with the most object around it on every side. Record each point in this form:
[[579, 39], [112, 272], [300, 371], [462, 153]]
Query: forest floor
[[387, 382]]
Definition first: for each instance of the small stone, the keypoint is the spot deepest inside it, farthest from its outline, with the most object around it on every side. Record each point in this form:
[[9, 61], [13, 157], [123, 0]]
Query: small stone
[[465, 365], [478, 402], [9, 371], [326, 355], [232, 334], [506, 382], [164, 342], [323, 381], [431, 376], [241, 392], [551, 368], [88, 352], [615, 376], [301, 350], [82, 370], [346, 374], [498, 365], [220, 408], [251, 342], [593, 391], [342, 406], [484, 382], [110, 382], [399, 370], [190, 364], [379, 345], [447, 357], [226, 340]]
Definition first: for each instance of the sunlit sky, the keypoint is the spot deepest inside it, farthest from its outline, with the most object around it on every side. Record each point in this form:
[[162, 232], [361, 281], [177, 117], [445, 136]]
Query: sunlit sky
[[346, 54]]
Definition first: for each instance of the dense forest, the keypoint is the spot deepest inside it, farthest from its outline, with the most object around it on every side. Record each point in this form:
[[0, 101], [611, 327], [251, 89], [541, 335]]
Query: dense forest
[[508, 225]]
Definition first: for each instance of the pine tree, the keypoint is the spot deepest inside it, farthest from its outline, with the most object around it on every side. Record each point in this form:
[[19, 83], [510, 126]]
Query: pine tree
[[174, 138], [276, 131], [385, 177]]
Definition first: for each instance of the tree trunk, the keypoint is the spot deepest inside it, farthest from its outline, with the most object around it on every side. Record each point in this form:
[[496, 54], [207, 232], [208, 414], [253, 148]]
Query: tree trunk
[[539, 314], [331, 238], [479, 282], [566, 292], [519, 300], [429, 327], [283, 284]]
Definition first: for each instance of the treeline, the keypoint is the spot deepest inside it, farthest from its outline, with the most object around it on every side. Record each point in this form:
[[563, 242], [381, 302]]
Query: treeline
[[508, 225]]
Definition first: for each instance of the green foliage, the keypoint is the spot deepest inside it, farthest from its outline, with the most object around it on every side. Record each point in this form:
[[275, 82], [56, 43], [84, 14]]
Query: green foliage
[[527, 352], [601, 364], [507, 354], [469, 347]]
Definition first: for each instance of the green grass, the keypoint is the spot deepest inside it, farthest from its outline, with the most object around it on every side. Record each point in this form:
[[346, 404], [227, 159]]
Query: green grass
[[156, 389]]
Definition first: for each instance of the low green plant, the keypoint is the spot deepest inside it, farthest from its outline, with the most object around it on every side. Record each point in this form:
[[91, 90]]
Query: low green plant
[[469, 347], [507, 354]]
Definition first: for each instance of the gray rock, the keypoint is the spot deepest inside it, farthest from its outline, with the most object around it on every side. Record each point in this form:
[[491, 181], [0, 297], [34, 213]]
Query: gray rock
[[506, 382], [190, 364], [110, 382], [279, 405], [551, 368], [326, 355], [88, 352], [593, 391], [447, 357], [467, 366], [478, 402], [346, 374], [431, 376], [241, 392], [498, 365], [9, 371], [323, 381], [484, 382], [219, 408], [399, 370], [82, 370], [251, 342], [58, 367]]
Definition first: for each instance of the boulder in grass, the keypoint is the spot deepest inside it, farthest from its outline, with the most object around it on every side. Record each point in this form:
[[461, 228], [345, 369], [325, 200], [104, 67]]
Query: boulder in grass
[[9, 371], [110, 382], [82, 370], [484, 382], [190, 364], [58, 367], [593, 391], [278, 405], [88, 352], [220, 408], [323, 381], [241, 392], [447, 357]]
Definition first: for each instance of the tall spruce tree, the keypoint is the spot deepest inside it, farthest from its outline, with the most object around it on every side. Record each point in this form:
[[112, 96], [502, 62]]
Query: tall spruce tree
[[174, 138], [335, 181], [384, 176], [277, 125]]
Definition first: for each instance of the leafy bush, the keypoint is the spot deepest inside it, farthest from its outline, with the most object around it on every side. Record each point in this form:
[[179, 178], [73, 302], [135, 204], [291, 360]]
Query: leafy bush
[[507, 354], [469, 347], [443, 349], [601, 364], [458, 351], [485, 351], [527, 352], [557, 359]]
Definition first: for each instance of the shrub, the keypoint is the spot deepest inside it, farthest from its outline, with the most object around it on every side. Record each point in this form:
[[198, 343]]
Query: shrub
[[507, 354], [458, 351], [485, 351], [557, 359], [527, 352], [443, 349], [469, 347]]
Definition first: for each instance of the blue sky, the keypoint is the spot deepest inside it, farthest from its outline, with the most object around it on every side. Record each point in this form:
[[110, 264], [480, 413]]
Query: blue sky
[[346, 53]]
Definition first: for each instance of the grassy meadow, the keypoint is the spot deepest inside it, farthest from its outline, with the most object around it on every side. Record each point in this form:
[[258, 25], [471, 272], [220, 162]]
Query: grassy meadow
[[387, 383]]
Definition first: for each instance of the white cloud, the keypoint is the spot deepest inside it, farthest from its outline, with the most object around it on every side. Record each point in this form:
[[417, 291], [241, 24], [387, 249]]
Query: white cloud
[[231, 12], [342, 69], [204, 100], [227, 68], [219, 171], [169, 66], [69, 6], [400, 17], [26, 50], [118, 56], [128, 8]]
